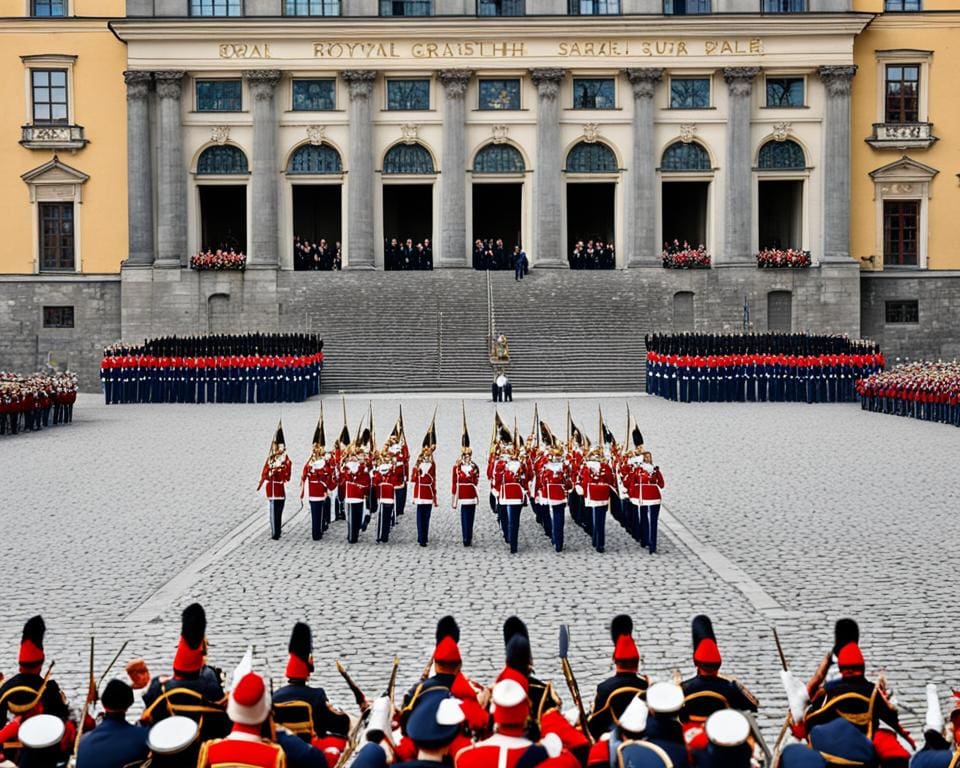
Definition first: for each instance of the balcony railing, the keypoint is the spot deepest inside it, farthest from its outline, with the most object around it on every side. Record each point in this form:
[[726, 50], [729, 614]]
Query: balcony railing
[[902, 136], [53, 137]]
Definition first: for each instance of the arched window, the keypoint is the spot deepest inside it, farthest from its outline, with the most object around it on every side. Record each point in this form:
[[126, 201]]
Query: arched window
[[408, 159], [681, 156], [591, 158], [782, 156], [498, 158], [221, 159], [315, 159]]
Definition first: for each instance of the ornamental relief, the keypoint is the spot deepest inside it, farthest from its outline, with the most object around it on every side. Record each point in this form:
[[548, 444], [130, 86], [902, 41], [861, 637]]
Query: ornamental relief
[[500, 134], [316, 134], [220, 134], [409, 133]]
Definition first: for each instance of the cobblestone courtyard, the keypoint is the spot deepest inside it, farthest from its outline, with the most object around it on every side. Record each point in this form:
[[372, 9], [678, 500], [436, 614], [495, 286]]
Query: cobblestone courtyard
[[775, 515]]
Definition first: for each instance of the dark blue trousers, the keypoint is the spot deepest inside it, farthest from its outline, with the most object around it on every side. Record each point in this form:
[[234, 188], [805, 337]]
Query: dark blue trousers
[[317, 515], [599, 530], [467, 514], [654, 512], [384, 521], [423, 523], [276, 517], [557, 512], [512, 515], [354, 512]]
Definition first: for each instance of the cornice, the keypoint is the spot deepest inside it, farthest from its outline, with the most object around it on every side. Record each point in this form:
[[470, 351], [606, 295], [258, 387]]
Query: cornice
[[24, 25]]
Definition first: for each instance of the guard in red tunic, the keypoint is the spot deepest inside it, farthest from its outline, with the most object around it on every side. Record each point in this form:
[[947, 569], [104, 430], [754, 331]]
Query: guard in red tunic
[[354, 488], [595, 484], [466, 477], [319, 480], [275, 474], [384, 480], [424, 477], [650, 480], [511, 482], [248, 708], [553, 487]]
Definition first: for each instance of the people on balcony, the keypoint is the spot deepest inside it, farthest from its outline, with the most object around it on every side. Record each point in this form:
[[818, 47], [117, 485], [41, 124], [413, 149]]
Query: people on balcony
[[405, 254], [592, 254]]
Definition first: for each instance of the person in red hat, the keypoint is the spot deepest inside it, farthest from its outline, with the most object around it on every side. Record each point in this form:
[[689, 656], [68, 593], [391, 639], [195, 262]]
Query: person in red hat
[[617, 691], [248, 708], [329, 726], [708, 691]]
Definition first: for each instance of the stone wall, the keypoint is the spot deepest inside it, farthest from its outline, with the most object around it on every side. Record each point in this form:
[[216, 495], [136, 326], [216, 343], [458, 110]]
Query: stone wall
[[935, 335], [26, 346]]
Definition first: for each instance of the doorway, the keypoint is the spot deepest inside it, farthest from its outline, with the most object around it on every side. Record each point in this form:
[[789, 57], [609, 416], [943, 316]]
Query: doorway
[[497, 215], [591, 221], [223, 217], [684, 211], [408, 216], [317, 217]]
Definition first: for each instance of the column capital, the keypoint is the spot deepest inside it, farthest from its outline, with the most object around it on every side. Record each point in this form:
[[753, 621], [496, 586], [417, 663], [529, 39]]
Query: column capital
[[644, 80], [262, 82], [740, 79], [138, 83], [837, 80], [359, 82], [547, 80], [168, 83], [454, 81]]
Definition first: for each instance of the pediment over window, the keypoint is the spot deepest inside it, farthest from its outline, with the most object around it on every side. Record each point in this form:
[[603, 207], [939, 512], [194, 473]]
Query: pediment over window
[[55, 181], [904, 170]]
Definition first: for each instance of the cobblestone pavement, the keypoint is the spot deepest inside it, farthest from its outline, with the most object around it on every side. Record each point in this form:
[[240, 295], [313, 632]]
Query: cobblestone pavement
[[775, 515]]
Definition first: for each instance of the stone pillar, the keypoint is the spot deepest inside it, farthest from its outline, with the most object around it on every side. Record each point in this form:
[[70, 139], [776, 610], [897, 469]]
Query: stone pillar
[[139, 173], [641, 218], [264, 232], [171, 174], [738, 170], [453, 165], [836, 162], [360, 173], [547, 178]]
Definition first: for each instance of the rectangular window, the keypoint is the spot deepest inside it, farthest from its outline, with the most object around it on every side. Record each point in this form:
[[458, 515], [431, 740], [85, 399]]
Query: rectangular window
[[501, 8], [594, 7], [215, 8], [686, 7], [49, 96], [783, 6], [406, 7], [413, 95], [594, 93], [48, 8], [903, 311], [219, 95], [902, 6], [500, 94], [311, 8], [58, 317], [901, 224], [314, 95], [902, 103], [56, 236], [784, 91], [689, 92]]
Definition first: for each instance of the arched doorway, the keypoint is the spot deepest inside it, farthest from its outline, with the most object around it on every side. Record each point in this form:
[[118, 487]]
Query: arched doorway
[[592, 174], [781, 175], [686, 174], [498, 172], [316, 175], [222, 173], [408, 177]]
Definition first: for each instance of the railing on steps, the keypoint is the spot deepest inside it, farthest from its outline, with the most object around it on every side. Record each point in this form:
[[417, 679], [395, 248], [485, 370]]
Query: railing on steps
[[491, 320]]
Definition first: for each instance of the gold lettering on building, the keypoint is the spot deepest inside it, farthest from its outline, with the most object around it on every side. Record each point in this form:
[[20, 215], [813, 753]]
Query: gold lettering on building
[[351, 50], [751, 47], [245, 51]]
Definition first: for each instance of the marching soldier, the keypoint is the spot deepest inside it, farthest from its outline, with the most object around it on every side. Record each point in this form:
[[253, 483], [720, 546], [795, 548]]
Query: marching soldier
[[328, 727], [384, 478], [466, 477], [553, 487], [319, 479], [354, 486], [594, 485], [424, 477], [114, 743], [616, 692], [650, 482], [511, 482], [276, 474]]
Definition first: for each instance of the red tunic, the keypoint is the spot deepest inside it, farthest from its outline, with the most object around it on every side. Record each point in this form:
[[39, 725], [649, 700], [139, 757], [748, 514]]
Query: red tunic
[[318, 479], [466, 475], [241, 749], [424, 482], [275, 478]]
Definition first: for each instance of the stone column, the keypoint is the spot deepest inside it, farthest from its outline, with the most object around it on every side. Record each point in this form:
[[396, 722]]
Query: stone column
[[836, 162], [453, 166], [360, 253], [738, 170], [264, 235], [139, 173], [548, 181], [171, 174], [641, 218]]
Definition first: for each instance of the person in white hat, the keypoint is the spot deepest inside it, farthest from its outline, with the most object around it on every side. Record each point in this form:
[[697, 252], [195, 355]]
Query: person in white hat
[[729, 732], [664, 701]]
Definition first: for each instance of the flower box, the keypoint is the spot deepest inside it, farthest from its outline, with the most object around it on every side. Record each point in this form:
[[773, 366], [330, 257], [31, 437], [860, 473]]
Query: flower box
[[678, 255], [218, 261], [783, 258]]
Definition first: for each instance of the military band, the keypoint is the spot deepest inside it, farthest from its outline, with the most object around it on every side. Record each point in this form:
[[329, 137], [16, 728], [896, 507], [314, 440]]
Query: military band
[[839, 718]]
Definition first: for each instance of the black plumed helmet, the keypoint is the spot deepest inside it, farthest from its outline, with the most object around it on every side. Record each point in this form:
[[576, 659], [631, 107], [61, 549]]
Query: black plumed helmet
[[34, 630], [193, 625], [702, 629], [301, 641], [637, 437], [622, 624], [518, 654], [846, 631], [512, 627], [448, 627]]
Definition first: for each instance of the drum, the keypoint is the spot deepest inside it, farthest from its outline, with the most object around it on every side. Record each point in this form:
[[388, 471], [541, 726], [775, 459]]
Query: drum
[[41, 732], [172, 735]]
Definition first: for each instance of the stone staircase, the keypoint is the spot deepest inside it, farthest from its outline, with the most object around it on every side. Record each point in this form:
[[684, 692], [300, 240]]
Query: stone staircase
[[408, 331]]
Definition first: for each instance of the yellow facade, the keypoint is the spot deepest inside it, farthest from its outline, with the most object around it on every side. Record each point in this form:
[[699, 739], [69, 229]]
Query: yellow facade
[[83, 45], [928, 175]]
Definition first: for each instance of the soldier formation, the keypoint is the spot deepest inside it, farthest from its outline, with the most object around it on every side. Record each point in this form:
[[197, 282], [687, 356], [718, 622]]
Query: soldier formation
[[192, 717], [30, 403], [921, 390], [771, 367], [358, 481], [248, 368]]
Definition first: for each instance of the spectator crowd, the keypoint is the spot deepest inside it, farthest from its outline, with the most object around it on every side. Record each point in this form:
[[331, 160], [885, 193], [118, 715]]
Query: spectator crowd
[[30, 403], [318, 255], [407, 255], [921, 390], [592, 254]]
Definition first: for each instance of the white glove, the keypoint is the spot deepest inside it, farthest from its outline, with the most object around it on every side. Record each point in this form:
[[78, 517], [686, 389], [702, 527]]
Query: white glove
[[573, 716], [553, 744], [797, 695]]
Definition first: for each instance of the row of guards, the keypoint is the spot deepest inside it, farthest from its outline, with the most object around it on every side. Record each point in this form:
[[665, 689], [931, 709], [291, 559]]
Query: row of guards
[[193, 717], [355, 480]]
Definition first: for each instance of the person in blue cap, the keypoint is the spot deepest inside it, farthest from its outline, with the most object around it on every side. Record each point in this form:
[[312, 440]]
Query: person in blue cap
[[114, 742], [801, 756]]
